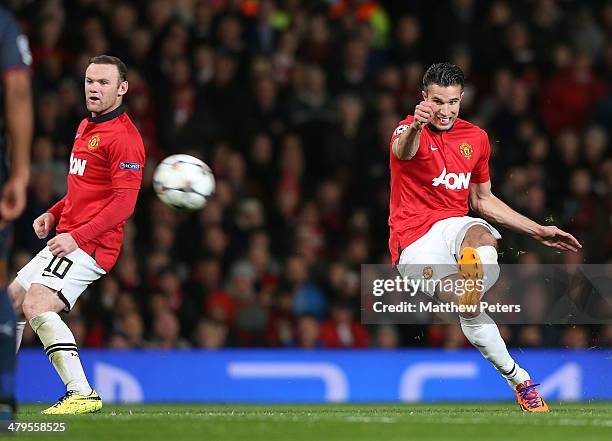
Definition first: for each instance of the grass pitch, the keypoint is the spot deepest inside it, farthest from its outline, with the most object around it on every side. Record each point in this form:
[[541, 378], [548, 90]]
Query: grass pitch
[[453, 421]]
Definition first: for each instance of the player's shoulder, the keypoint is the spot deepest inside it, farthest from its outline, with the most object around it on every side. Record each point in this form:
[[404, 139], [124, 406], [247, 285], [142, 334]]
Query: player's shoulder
[[471, 127], [125, 127], [126, 122], [127, 133]]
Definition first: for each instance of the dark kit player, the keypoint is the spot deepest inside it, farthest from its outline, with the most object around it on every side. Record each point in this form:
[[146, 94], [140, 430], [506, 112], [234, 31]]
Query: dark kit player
[[105, 174], [16, 127]]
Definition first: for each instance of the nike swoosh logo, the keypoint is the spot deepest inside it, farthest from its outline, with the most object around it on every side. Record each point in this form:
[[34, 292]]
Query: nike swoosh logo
[[49, 275], [433, 149]]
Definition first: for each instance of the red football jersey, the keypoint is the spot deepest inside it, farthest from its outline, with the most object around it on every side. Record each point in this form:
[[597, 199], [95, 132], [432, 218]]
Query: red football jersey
[[108, 153], [434, 184]]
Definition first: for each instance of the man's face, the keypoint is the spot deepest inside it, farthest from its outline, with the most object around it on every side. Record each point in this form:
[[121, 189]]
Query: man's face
[[103, 90], [446, 102]]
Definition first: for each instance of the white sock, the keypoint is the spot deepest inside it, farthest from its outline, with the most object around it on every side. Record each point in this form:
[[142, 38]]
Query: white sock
[[19, 326], [61, 349], [483, 333]]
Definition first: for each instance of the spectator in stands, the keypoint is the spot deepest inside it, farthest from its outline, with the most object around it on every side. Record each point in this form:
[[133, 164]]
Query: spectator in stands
[[211, 334], [342, 330]]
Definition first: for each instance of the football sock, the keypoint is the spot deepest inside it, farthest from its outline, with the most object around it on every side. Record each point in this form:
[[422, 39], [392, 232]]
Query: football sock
[[61, 349], [7, 355], [483, 333], [19, 327]]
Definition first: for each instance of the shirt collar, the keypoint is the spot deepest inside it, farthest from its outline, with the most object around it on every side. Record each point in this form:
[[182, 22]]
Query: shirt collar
[[107, 116], [433, 128]]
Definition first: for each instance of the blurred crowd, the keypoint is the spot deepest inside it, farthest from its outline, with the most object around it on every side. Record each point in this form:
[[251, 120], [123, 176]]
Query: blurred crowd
[[292, 103]]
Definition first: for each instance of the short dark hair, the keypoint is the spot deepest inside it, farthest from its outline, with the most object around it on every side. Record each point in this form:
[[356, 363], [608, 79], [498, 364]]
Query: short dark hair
[[109, 59], [443, 74]]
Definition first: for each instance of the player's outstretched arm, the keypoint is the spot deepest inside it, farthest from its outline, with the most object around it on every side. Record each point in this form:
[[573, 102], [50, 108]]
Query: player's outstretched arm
[[491, 208], [554, 237], [407, 145]]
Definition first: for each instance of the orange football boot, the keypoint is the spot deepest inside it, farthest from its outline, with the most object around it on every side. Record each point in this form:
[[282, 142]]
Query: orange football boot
[[470, 268], [529, 399]]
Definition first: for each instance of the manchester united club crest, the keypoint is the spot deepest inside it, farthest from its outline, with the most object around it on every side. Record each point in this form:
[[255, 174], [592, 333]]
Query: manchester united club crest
[[466, 150], [93, 143], [427, 272]]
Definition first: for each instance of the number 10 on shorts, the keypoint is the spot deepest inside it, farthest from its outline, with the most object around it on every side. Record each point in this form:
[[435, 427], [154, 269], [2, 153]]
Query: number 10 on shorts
[[58, 266]]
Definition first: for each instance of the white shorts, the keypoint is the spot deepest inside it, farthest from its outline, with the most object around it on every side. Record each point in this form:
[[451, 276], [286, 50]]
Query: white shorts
[[434, 256], [69, 275]]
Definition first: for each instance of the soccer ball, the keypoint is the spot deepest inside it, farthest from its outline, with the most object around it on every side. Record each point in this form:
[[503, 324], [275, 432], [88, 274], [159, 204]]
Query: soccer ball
[[183, 182]]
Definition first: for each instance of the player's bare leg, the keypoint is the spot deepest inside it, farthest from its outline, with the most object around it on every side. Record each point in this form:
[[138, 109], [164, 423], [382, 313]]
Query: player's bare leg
[[478, 257], [40, 307], [17, 293]]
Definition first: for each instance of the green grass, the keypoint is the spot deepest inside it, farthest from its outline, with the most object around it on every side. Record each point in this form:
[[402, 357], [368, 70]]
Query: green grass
[[473, 422]]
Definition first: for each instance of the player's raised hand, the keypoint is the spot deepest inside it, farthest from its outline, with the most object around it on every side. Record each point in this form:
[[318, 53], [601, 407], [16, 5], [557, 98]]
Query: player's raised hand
[[62, 244], [554, 237], [423, 113], [43, 224]]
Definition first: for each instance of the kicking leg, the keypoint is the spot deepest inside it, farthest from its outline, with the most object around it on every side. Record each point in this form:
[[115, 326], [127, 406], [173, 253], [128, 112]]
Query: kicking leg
[[478, 260]]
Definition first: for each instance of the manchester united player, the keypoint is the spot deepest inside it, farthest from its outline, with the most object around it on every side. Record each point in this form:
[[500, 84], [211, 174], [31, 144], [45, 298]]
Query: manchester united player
[[104, 178], [439, 165]]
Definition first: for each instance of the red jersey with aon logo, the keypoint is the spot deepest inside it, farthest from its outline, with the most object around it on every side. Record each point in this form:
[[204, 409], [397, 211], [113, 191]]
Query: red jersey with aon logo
[[434, 184], [108, 153]]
